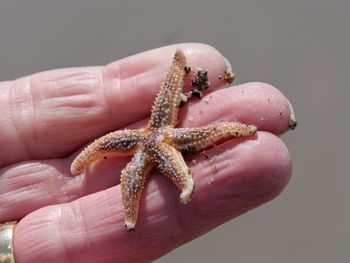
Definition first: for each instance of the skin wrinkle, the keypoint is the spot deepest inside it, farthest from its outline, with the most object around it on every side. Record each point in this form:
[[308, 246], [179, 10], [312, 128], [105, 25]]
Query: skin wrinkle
[[223, 161], [71, 87], [46, 228], [140, 81], [65, 100], [176, 206], [13, 185], [101, 219], [75, 215], [34, 244], [75, 93], [165, 211], [30, 87], [86, 184], [151, 198], [60, 221], [115, 80], [130, 66], [159, 187], [55, 76], [34, 134], [43, 187], [85, 100], [120, 84], [128, 88], [72, 188], [6, 118], [230, 160], [15, 115], [115, 83]]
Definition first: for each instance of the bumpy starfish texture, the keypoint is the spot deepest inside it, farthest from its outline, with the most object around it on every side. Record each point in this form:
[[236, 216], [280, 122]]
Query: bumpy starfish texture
[[158, 145]]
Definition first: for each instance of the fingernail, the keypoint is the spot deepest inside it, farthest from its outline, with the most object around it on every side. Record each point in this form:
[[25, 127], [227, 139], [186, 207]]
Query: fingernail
[[292, 120], [228, 65]]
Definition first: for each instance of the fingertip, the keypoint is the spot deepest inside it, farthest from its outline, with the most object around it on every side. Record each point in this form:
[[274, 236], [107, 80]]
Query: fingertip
[[204, 56], [269, 103], [242, 173], [276, 162], [254, 103]]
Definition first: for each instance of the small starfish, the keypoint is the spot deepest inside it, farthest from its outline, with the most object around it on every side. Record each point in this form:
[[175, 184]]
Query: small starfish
[[158, 145]]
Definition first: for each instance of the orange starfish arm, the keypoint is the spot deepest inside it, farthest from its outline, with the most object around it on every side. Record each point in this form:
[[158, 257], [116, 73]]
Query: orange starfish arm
[[196, 139], [166, 105], [121, 142], [132, 181], [170, 163]]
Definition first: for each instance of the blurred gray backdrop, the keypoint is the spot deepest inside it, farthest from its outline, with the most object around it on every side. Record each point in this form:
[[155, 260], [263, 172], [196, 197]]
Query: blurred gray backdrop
[[299, 46]]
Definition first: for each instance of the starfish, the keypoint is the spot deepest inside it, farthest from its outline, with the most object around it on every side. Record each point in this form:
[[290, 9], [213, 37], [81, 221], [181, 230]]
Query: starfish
[[158, 145]]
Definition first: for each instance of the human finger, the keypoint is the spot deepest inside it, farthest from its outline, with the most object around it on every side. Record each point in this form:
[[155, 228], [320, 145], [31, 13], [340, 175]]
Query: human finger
[[50, 114], [243, 175], [31, 185]]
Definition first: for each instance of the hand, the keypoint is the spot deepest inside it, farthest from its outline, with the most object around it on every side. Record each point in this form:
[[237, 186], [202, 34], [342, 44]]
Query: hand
[[46, 119]]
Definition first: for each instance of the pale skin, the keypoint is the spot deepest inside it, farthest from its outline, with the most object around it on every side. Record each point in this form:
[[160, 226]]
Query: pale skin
[[46, 119]]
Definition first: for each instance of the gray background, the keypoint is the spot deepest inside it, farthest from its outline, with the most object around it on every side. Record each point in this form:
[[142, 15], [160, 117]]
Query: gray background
[[300, 46]]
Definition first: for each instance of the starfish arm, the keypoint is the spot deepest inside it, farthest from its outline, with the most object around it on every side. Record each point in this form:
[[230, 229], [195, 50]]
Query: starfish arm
[[166, 105], [197, 139], [121, 142], [132, 180], [170, 162]]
